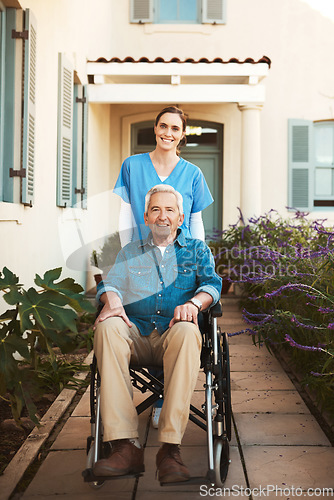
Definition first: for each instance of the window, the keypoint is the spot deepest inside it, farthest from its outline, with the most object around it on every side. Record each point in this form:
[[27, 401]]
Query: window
[[72, 138], [178, 11], [311, 164], [17, 114]]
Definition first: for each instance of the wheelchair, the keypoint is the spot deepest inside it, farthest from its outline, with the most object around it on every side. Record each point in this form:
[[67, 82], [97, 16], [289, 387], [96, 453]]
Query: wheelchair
[[214, 416]]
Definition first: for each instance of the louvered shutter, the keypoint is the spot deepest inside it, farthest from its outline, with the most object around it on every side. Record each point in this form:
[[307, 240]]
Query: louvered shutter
[[141, 11], [76, 144], [214, 11], [84, 146], [29, 97], [8, 49], [300, 164], [65, 139]]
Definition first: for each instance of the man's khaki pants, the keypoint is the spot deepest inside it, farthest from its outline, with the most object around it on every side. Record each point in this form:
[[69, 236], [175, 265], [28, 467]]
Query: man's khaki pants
[[178, 349]]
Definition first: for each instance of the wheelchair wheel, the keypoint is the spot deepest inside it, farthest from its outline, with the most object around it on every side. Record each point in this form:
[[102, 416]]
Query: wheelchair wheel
[[227, 387], [221, 453], [96, 449]]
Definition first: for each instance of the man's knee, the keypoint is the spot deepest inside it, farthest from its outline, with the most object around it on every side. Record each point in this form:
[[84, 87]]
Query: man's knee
[[186, 332], [110, 328]]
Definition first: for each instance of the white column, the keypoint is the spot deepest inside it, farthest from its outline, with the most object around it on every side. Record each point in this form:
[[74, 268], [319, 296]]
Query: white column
[[250, 183]]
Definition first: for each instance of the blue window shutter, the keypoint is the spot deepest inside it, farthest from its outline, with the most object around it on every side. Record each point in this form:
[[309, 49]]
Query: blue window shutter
[[29, 95], [141, 11], [9, 104], [84, 147], [300, 163], [214, 11], [2, 92], [76, 152], [65, 138]]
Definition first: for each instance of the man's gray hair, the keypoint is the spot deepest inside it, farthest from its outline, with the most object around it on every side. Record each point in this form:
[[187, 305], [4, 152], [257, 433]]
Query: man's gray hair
[[164, 188]]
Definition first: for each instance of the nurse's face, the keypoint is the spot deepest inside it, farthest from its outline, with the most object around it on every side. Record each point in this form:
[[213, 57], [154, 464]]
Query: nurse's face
[[168, 131]]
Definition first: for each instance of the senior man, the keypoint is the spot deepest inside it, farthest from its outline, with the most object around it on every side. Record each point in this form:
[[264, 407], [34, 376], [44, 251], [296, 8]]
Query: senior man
[[152, 297]]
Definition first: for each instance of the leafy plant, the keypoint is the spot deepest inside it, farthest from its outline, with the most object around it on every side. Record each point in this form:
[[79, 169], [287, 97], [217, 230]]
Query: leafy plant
[[62, 376], [286, 268], [43, 317]]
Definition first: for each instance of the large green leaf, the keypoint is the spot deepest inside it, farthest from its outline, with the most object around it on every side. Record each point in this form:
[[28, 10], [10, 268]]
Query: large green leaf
[[67, 287], [47, 311], [8, 279], [10, 343]]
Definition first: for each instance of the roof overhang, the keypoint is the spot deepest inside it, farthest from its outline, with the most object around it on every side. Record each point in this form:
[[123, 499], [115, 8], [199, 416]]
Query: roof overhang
[[215, 81]]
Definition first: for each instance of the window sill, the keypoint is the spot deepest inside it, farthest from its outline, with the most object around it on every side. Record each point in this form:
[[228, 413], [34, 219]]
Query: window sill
[[204, 29]]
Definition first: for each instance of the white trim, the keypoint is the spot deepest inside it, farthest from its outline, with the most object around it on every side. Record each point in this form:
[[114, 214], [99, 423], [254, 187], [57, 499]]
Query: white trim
[[182, 69], [151, 93]]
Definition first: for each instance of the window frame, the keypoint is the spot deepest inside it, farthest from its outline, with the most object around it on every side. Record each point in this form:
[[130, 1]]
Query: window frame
[[303, 169], [16, 164], [208, 12]]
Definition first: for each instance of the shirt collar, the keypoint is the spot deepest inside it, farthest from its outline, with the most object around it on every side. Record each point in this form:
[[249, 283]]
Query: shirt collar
[[180, 239]]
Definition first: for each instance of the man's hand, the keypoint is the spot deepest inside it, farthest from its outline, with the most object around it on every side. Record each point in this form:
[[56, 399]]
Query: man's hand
[[185, 312], [112, 307]]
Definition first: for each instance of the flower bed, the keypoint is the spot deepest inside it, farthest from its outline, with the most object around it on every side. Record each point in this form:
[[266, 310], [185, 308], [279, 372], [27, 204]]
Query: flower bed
[[286, 269]]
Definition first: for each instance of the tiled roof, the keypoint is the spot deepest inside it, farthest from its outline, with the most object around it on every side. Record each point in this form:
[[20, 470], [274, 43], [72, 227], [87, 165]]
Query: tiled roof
[[202, 60]]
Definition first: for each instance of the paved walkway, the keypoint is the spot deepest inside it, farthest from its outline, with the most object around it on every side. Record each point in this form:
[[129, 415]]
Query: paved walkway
[[277, 444]]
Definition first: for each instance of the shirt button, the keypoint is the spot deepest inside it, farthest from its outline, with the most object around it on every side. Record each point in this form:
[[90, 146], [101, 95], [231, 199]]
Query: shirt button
[[159, 295], [158, 312], [161, 282]]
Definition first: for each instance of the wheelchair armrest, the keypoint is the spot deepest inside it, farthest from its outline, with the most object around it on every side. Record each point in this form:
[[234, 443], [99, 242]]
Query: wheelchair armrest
[[215, 311]]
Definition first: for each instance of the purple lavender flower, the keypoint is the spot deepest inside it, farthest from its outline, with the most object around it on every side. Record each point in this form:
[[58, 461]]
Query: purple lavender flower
[[293, 343]]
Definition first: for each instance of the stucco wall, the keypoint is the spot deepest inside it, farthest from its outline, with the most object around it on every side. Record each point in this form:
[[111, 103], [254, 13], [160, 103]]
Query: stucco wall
[[297, 39]]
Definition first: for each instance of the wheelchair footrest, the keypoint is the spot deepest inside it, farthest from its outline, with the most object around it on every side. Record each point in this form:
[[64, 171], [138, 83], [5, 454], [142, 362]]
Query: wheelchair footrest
[[89, 476]]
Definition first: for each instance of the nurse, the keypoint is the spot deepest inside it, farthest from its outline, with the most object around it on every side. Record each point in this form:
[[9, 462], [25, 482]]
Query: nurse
[[162, 166], [139, 173]]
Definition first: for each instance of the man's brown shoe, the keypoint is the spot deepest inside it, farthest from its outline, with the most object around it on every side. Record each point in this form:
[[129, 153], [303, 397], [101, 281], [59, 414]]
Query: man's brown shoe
[[170, 467], [125, 458]]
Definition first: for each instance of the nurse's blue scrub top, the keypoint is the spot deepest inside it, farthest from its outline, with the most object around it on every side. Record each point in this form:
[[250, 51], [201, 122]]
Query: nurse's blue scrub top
[[138, 176]]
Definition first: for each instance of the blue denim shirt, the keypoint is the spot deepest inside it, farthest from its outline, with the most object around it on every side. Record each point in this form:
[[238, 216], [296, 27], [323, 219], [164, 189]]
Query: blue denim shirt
[[151, 285]]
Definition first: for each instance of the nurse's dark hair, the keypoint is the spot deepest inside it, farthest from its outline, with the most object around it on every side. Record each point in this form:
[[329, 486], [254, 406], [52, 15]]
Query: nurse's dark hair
[[182, 115]]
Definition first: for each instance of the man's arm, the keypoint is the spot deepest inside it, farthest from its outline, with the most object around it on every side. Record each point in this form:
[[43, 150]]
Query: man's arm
[[188, 311], [208, 290], [112, 306]]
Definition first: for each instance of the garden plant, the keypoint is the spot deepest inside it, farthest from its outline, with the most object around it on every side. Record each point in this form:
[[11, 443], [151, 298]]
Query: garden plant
[[286, 271], [40, 320]]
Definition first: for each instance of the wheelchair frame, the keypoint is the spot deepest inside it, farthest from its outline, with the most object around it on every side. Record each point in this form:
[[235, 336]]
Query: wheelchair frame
[[215, 418]]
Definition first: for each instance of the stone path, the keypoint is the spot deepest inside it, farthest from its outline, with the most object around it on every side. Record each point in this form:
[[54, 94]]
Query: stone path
[[277, 449]]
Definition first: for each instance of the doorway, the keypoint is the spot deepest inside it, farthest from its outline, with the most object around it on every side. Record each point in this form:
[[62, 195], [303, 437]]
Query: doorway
[[204, 148]]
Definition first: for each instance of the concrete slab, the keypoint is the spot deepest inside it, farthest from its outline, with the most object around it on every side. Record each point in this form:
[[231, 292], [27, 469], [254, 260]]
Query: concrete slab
[[73, 435], [276, 381], [286, 466], [247, 364], [277, 429], [195, 457], [60, 474], [83, 407], [268, 402], [250, 351], [236, 338]]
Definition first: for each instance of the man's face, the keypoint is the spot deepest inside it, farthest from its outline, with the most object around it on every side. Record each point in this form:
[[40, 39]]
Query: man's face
[[163, 216]]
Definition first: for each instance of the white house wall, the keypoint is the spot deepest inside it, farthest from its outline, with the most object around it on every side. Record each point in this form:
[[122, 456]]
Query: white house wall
[[298, 40]]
